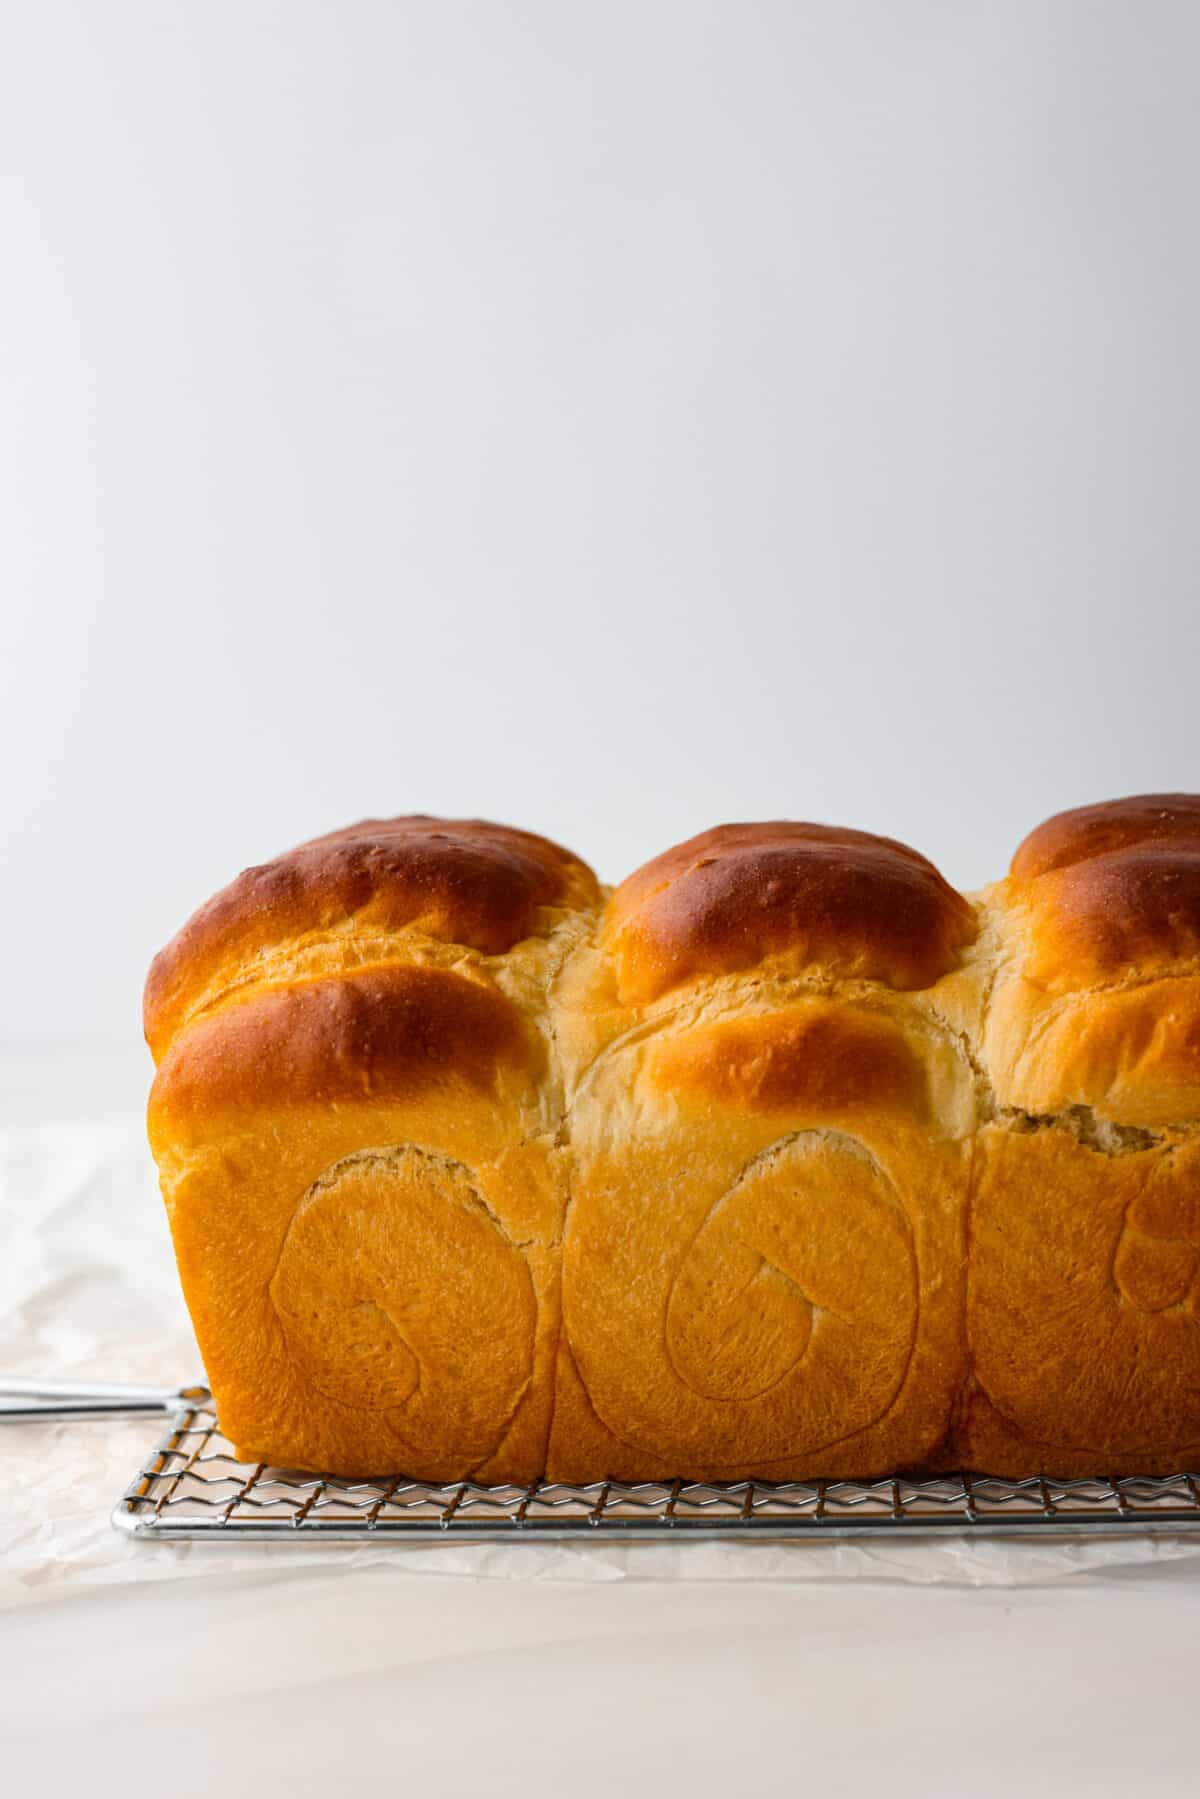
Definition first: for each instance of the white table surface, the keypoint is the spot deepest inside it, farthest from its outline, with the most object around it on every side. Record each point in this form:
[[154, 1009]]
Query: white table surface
[[163, 1670]]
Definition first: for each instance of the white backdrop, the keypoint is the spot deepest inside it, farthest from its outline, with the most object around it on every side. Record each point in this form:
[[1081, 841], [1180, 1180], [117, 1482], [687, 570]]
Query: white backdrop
[[612, 418]]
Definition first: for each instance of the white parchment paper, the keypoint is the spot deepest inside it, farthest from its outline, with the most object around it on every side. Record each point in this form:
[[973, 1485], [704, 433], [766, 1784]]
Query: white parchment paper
[[88, 1287]]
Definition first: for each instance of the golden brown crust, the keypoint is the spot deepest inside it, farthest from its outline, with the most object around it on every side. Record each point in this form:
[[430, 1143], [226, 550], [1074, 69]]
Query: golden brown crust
[[354, 1118], [1164, 820], [379, 1033], [819, 1056], [374, 1284], [460, 881], [1112, 890], [763, 1257], [1096, 999], [1085, 1228], [1132, 1055], [1132, 912], [1083, 1306], [859, 906], [769, 1292], [468, 1177]]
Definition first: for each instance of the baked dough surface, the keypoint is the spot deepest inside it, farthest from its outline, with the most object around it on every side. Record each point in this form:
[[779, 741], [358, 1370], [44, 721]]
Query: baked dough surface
[[784, 1159]]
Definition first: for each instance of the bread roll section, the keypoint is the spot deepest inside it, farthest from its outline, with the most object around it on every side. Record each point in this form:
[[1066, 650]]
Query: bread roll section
[[763, 1261], [782, 1160], [358, 1125], [1084, 1270]]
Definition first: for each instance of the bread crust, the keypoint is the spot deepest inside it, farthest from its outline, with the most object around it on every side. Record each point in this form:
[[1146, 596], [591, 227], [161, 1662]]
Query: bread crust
[[784, 1160], [810, 896], [454, 881]]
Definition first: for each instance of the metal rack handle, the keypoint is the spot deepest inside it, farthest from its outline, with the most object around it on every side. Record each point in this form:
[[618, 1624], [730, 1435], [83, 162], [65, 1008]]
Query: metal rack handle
[[30, 1400]]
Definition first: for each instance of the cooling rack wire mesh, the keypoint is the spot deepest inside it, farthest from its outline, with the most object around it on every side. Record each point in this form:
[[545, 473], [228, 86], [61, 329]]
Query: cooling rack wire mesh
[[193, 1486]]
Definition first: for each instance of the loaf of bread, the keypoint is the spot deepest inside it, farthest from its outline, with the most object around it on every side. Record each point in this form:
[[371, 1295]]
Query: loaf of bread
[[782, 1160]]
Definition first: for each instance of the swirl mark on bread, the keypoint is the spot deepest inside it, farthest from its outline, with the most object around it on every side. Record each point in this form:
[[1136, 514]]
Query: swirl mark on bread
[[772, 1322], [775, 1273], [398, 1290]]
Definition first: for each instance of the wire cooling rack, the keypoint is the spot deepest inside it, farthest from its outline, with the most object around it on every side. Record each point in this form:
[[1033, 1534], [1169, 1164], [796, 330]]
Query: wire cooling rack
[[193, 1486]]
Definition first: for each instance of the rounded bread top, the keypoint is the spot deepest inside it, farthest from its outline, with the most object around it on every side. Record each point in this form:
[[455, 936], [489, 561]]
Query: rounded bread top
[[851, 904], [459, 881], [1112, 889]]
